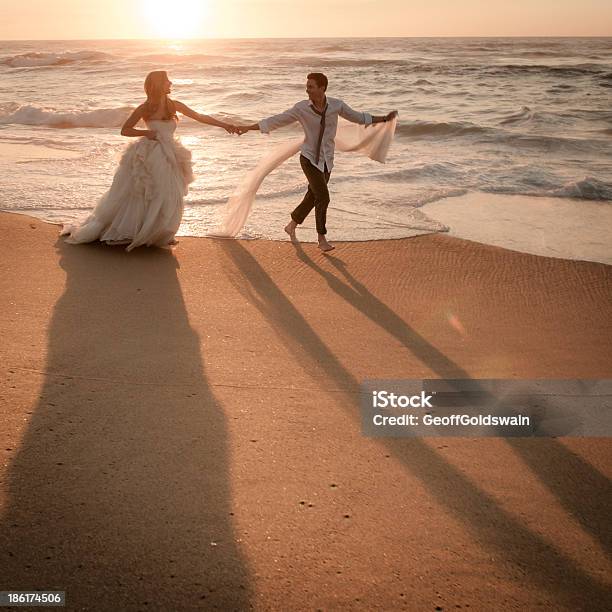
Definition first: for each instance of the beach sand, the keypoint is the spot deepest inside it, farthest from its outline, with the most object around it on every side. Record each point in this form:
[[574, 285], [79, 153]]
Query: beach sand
[[180, 429]]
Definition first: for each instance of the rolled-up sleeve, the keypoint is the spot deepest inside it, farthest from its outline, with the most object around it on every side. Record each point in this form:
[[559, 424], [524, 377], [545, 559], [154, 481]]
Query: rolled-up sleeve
[[354, 116], [271, 123]]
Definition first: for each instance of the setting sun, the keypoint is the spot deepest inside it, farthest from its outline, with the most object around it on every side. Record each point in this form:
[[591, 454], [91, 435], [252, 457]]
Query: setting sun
[[177, 19]]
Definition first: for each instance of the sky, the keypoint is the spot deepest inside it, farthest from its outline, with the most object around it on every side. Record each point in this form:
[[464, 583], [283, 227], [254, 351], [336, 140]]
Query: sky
[[120, 19]]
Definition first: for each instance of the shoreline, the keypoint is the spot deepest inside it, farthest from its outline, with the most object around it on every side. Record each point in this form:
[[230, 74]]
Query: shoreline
[[563, 227], [447, 209]]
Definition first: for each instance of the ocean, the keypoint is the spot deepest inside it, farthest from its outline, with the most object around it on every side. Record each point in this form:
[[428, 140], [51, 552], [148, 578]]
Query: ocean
[[512, 116]]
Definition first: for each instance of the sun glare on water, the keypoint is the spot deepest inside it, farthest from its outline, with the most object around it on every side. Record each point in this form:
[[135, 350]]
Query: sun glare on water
[[177, 18]]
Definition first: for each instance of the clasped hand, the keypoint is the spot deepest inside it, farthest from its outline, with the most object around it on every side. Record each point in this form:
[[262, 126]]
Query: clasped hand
[[235, 129]]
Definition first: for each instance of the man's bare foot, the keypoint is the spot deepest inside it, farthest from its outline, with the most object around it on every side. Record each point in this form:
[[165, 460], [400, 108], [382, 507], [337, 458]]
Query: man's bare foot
[[325, 246], [290, 229]]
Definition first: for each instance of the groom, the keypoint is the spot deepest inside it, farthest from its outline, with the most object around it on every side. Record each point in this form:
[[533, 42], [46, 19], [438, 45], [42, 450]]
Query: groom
[[319, 118]]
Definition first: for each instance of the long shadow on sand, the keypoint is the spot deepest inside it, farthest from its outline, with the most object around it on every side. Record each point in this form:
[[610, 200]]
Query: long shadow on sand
[[558, 576], [119, 493], [583, 491]]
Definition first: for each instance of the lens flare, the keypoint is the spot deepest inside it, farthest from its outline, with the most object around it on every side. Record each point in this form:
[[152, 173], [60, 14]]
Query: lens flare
[[456, 324]]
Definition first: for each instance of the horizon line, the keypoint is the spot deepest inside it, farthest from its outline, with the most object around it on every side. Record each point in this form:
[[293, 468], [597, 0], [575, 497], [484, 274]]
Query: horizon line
[[157, 39]]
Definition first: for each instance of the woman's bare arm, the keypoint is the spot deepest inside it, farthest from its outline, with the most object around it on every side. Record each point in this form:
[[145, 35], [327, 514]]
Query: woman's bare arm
[[128, 128], [188, 112]]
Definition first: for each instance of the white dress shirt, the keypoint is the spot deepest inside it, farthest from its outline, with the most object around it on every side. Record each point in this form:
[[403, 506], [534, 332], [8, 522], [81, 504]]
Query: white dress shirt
[[311, 122]]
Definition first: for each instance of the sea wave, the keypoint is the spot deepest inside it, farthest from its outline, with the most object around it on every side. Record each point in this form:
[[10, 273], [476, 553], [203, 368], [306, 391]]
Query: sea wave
[[491, 134], [437, 128], [471, 68], [540, 54], [178, 58], [360, 62], [439, 172], [547, 143], [605, 80], [243, 96], [524, 115], [554, 119], [34, 59], [13, 113], [589, 188], [33, 115], [565, 70]]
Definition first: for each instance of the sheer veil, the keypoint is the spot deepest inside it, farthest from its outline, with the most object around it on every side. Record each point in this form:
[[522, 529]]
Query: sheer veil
[[373, 141]]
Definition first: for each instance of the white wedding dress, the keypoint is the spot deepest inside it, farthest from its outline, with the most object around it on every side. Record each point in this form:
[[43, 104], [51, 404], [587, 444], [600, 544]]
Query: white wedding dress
[[144, 204]]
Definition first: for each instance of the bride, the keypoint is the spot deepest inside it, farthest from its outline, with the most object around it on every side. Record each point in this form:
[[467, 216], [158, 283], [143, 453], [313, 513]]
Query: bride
[[144, 204]]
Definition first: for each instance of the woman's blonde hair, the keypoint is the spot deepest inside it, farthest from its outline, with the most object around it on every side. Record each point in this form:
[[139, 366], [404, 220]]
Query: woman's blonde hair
[[153, 87]]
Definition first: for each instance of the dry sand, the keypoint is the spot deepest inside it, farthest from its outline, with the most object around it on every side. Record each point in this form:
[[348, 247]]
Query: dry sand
[[180, 429]]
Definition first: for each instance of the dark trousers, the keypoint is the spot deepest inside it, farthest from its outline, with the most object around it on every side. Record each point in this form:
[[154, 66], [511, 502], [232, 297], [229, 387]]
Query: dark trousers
[[317, 196]]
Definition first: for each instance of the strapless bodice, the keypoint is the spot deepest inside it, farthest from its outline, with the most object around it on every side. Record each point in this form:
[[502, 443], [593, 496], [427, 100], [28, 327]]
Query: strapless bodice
[[162, 126]]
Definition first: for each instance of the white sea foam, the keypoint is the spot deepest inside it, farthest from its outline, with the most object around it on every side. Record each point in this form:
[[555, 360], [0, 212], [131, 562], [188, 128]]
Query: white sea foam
[[32, 115], [37, 58]]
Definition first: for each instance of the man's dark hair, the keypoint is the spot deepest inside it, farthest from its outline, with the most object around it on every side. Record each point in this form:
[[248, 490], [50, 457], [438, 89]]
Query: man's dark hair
[[319, 78]]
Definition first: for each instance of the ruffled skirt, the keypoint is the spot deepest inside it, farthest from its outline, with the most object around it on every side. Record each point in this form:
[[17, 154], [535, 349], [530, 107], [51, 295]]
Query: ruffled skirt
[[144, 204]]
